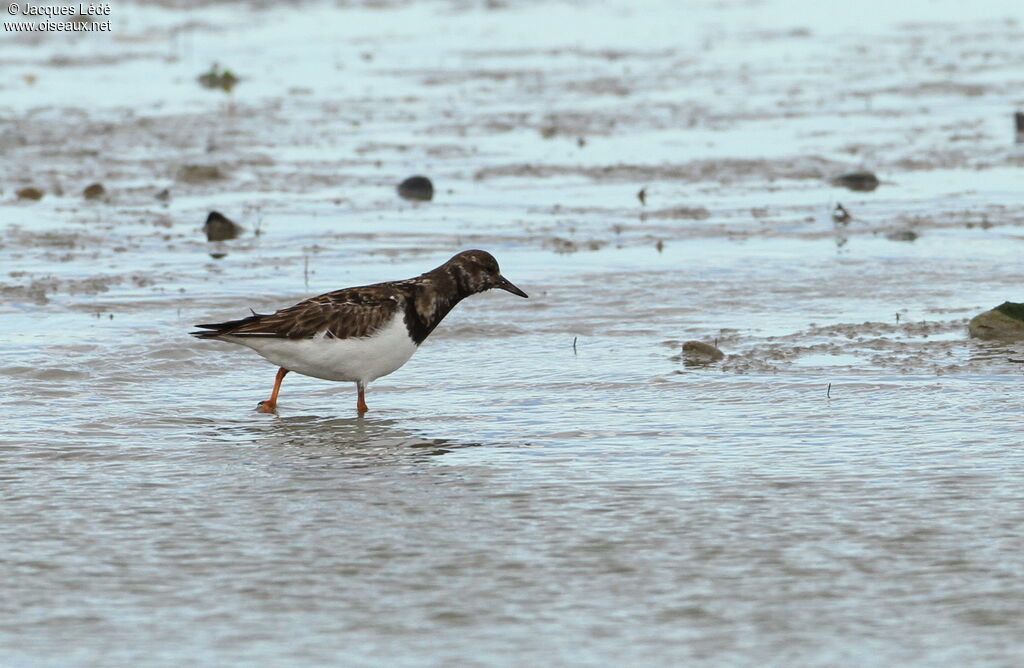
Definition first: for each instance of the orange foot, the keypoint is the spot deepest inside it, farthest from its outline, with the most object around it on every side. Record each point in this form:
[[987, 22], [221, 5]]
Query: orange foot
[[270, 405], [361, 402]]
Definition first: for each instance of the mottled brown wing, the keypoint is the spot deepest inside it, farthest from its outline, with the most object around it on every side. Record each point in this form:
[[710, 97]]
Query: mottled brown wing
[[344, 314]]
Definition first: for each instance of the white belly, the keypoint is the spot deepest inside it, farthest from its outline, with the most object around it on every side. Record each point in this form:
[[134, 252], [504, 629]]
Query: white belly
[[357, 360]]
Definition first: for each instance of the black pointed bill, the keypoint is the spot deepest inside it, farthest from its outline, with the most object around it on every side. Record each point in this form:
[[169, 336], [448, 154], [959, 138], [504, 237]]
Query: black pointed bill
[[505, 284]]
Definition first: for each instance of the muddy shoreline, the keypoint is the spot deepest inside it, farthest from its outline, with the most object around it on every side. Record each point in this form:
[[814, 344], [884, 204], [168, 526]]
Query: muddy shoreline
[[550, 480]]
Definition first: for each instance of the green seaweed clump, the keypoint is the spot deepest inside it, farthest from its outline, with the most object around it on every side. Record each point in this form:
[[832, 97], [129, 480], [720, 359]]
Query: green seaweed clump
[[1013, 309], [218, 77]]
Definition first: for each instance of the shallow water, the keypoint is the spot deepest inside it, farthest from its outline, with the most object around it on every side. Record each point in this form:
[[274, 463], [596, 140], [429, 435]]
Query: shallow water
[[548, 480]]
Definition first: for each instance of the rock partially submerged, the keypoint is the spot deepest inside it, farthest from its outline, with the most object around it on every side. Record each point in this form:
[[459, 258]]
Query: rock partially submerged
[[859, 181], [94, 191], [418, 188], [697, 353], [681, 213], [30, 193], [1003, 323], [902, 235], [219, 227], [199, 173]]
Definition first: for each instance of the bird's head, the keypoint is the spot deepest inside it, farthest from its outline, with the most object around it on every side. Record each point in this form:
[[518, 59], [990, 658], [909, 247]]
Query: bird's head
[[477, 271]]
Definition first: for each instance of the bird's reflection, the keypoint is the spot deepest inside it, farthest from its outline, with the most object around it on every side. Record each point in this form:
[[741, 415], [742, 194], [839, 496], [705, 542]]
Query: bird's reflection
[[341, 441]]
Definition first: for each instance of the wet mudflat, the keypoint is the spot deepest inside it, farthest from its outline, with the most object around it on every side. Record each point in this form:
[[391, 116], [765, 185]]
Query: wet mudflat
[[547, 481]]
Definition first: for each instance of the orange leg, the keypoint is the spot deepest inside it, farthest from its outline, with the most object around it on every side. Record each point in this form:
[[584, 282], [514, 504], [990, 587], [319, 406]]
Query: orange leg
[[270, 405], [361, 403]]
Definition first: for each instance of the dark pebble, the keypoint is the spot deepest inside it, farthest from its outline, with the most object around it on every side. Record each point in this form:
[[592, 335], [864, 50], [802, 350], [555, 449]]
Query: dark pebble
[[902, 235], [417, 188], [94, 191], [860, 181], [220, 228], [199, 173], [30, 193]]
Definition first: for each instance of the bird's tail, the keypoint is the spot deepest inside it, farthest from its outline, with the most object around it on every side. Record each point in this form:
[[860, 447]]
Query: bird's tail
[[215, 330]]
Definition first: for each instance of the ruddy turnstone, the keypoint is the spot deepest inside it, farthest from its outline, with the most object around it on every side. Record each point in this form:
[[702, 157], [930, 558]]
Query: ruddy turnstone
[[360, 334]]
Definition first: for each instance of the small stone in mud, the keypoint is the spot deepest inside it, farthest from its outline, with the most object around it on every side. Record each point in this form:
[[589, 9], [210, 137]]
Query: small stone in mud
[[682, 213], [642, 196], [860, 181], [219, 227], [1003, 323], [902, 235], [94, 191], [30, 193], [417, 188], [199, 173], [840, 214], [698, 353]]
